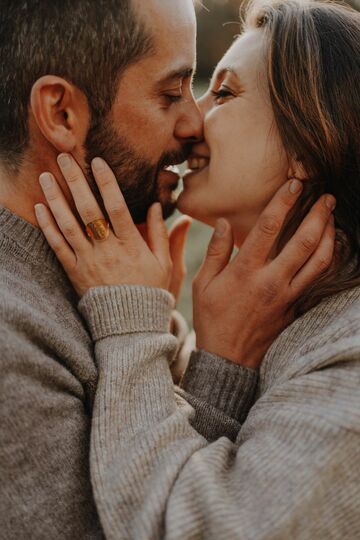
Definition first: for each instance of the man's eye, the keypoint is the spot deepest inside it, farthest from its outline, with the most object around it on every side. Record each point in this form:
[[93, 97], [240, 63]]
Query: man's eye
[[173, 98], [221, 95]]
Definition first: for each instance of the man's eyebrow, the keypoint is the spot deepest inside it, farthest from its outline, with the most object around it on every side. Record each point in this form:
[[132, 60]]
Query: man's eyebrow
[[182, 73]]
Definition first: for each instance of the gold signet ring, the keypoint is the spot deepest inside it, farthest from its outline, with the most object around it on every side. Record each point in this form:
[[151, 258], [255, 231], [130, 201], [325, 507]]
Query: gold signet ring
[[98, 230]]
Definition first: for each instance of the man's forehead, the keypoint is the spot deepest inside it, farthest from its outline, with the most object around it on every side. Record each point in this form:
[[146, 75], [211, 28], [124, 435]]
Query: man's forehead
[[171, 12]]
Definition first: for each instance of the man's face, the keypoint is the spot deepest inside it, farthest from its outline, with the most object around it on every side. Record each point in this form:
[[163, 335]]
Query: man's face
[[154, 118]]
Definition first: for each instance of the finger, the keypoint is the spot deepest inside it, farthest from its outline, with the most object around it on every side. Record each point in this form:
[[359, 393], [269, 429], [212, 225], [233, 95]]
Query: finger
[[84, 199], [158, 237], [62, 214], [305, 241], [319, 263], [116, 207], [177, 238], [261, 240], [218, 254], [55, 239]]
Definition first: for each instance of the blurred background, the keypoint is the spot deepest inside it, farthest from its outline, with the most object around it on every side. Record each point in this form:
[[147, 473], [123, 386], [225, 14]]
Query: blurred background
[[218, 24]]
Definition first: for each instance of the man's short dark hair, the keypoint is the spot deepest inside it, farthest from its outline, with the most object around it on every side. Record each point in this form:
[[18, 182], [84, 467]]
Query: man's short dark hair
[[87, 42]]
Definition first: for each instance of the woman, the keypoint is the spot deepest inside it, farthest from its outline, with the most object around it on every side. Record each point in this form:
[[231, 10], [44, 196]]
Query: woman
[[283, 103]]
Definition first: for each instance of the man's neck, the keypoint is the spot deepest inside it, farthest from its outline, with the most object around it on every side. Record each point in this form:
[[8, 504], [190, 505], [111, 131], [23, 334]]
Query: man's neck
[[19, 192]]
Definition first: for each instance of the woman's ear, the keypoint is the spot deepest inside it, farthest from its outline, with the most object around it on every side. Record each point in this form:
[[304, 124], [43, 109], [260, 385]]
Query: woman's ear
[[297, 170], [60, 111]]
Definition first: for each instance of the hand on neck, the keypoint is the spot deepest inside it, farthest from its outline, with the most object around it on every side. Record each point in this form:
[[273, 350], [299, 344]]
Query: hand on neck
[[20, 189]]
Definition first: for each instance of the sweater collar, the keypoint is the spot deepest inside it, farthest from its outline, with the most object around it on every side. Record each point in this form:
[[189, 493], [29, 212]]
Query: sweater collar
[[28, 238]]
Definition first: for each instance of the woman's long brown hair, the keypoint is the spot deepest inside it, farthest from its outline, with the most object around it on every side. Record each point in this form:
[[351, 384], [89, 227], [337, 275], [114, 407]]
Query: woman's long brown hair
[[313, 60]]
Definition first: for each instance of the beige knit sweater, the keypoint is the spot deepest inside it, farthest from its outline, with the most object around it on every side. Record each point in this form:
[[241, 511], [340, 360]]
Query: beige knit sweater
[[48, 381], [294, 469], [291, 472]]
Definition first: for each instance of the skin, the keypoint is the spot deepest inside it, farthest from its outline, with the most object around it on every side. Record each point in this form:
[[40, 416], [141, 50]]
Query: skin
[[142, 114], [248, 162]]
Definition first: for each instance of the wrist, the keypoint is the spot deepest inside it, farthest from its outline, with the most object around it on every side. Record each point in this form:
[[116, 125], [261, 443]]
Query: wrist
[[237, 355]]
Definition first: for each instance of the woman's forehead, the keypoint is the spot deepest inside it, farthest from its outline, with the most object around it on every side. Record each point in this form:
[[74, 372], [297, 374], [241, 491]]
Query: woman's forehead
[[245, 58]]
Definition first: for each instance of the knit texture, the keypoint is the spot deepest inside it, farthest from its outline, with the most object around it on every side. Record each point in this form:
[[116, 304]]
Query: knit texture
[[48, 378], [293, 471]]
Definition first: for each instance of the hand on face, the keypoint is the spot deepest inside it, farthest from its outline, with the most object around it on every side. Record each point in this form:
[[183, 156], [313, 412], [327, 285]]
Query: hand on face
[[241, 306], [124, 257]]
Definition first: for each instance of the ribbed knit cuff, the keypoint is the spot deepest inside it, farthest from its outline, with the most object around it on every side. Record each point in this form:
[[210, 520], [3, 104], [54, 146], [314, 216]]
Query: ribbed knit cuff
[[224, 385], [126, 309]]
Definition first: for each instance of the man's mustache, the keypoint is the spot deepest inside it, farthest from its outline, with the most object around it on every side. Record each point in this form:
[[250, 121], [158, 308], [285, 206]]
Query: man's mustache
[[175, 158]]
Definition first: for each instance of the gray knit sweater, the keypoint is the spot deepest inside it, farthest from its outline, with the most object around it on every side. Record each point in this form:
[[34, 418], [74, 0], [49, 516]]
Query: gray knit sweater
[[293, 471], [48, 380]]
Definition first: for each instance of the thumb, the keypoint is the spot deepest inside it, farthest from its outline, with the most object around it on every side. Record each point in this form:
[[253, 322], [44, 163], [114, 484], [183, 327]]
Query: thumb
[[219, 252], [177, 239]]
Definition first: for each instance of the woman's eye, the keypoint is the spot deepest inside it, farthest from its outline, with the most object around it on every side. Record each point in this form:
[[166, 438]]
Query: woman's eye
[[221, 95]]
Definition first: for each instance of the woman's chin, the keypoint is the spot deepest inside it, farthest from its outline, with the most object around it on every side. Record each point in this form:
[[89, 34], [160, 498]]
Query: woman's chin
[[186, 204], [183, 204]]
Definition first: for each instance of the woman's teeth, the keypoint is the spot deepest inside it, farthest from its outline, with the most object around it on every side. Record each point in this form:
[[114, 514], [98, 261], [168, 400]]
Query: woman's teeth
[[197, 163], [172, 168]]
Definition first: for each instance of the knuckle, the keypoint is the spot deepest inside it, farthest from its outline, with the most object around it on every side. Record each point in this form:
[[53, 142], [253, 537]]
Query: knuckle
[[269, 225], [308, 243], [52, 195], [72, 177], [68, 230], [213, 250], [116, 210], [323, 264], [89, 214]]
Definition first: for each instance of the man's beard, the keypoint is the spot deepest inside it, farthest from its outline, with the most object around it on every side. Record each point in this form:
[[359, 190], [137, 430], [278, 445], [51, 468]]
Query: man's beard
[[136, 176]]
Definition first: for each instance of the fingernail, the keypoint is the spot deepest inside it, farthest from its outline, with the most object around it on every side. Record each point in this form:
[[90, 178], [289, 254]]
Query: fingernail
[[220, 228], [98, 164], [295, 186], [39, 209], [46, 180], [64, 160], [330, 202]]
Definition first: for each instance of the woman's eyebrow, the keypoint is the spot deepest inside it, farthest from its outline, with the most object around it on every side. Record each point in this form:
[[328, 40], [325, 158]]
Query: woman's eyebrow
[[222, 72]]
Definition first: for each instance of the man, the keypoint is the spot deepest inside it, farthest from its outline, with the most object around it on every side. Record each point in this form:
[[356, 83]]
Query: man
[[111, 78]]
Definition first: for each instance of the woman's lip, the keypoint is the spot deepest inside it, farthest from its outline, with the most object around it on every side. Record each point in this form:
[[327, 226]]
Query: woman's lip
[[190, 172]]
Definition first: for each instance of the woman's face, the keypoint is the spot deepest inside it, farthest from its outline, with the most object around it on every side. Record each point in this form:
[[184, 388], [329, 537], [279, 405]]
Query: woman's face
[[245, 162]]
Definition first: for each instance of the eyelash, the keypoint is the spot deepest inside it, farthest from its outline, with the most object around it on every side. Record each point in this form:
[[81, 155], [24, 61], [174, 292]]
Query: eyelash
[[173, 98], [222, 93]]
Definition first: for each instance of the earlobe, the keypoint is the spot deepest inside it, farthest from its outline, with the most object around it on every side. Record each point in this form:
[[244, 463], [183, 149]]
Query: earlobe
[[53, 103], [297, 171]]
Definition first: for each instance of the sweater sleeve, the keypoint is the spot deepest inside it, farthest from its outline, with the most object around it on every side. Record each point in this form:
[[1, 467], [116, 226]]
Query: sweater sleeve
[[290, 473], [45, 488], [220, 392]]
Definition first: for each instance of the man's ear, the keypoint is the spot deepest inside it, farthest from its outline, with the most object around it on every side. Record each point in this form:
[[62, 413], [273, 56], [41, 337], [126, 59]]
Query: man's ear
[[60, 111]]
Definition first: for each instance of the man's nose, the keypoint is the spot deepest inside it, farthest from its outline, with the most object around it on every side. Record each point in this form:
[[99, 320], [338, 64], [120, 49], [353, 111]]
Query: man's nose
[[190, 127]]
